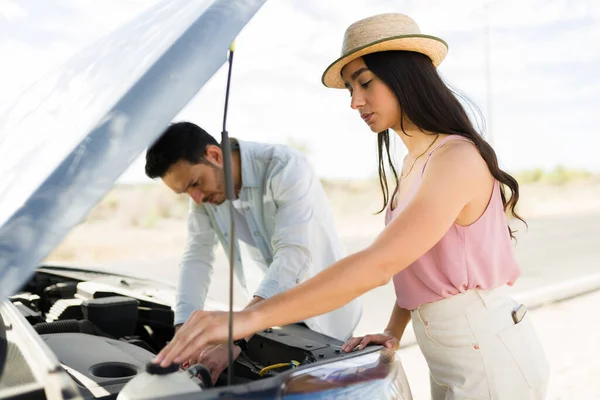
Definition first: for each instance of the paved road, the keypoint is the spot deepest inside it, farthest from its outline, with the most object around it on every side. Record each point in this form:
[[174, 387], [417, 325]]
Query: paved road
[[551, 251]]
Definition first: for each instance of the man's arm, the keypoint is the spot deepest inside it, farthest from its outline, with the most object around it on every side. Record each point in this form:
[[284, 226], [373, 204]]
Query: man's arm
[[292, 185], [196, 265], [255, 300]]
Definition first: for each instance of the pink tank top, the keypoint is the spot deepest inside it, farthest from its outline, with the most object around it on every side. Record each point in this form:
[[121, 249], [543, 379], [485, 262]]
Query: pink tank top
[[467, 257]]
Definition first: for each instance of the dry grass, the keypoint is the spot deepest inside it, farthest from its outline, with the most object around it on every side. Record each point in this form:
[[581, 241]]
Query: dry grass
[[148, 221]]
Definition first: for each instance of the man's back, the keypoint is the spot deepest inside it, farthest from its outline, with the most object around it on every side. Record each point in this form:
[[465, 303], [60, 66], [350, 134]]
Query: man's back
[[289, 216]]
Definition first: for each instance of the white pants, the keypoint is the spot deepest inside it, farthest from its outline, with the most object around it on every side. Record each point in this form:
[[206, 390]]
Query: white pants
[[475, 350]]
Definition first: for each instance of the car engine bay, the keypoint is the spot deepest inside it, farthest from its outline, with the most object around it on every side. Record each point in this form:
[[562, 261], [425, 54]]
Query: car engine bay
[[104, 329]]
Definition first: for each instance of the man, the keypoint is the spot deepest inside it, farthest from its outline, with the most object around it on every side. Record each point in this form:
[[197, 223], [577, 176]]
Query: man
[[283, 224]]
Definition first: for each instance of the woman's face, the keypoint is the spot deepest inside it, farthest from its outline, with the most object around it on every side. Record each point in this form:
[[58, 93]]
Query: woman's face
[[374, 100]]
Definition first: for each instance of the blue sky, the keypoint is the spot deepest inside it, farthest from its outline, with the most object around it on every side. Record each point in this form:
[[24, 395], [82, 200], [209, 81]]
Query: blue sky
[[545, 58]]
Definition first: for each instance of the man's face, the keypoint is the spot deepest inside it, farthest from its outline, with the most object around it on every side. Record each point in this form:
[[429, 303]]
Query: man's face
[[203, 182]]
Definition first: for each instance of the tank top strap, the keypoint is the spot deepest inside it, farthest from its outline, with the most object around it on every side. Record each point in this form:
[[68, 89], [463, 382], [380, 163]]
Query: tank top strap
[[441, 144]]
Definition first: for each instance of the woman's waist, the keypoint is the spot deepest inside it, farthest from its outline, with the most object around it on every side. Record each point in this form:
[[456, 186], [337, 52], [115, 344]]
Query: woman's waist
[[457, 304], [416, 288]]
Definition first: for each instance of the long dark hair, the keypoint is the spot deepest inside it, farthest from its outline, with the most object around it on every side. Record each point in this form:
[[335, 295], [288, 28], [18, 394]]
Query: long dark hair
[[426, 101]]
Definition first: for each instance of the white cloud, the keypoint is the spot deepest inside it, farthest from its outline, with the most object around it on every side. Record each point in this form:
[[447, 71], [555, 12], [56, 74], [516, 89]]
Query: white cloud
[[467, 15], [280, 56], [10, 11]]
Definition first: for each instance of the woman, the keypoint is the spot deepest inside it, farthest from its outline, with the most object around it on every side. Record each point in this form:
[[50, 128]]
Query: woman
[[446, 244]]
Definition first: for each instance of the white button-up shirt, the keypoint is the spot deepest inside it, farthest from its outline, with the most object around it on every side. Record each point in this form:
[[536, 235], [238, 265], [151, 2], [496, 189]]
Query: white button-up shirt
[[288, 214]]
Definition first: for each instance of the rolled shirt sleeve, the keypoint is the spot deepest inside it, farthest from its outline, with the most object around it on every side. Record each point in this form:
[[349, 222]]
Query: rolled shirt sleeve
[[195, 269]]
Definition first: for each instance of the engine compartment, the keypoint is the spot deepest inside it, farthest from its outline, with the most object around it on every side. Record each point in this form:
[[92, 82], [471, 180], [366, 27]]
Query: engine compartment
[[104, 329]]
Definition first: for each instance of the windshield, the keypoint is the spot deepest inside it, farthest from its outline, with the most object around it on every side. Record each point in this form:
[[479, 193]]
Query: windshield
[[68, 138]]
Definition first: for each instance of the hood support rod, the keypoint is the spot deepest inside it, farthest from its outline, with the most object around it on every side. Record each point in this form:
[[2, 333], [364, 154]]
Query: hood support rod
[[229, 192]]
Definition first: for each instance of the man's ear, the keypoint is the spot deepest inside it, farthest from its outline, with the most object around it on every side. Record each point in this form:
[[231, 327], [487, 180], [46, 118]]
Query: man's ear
[[214, 154]]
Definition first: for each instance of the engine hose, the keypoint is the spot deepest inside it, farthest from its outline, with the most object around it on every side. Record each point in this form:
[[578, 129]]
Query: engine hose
[[291, 364], [66, 326], [205, 376]]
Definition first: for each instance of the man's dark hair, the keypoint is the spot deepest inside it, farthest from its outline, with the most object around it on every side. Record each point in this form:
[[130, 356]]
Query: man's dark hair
[[182, 141]]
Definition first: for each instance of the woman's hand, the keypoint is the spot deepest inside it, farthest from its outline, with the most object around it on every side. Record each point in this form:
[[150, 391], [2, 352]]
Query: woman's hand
[[384, 339], [201, 330]]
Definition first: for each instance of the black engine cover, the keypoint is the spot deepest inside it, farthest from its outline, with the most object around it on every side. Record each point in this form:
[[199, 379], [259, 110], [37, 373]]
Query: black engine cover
[[100, 366]]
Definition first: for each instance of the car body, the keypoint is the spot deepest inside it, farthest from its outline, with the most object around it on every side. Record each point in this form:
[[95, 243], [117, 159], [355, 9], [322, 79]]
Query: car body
[[72, 333]]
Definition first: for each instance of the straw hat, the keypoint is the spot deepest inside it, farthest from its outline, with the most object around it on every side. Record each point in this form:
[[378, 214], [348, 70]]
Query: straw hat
[[383, 32]]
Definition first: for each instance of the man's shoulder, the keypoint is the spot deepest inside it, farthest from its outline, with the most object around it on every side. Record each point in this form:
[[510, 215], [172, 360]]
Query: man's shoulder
[[270, 154]]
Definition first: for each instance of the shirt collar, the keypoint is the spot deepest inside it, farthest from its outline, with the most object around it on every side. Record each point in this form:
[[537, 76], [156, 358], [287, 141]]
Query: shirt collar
[[249, 178]]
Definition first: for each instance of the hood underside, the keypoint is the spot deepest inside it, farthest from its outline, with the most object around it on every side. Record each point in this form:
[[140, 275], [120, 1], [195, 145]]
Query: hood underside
[[67, 140]]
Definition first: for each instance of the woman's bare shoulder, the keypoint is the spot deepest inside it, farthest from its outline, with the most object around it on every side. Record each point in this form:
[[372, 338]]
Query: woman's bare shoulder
[[460, 163], [460, 153]]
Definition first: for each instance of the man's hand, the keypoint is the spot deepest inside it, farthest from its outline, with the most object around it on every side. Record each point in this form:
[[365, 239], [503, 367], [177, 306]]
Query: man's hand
[[203, 329], [215, 358], [194, 359], [209, 325]]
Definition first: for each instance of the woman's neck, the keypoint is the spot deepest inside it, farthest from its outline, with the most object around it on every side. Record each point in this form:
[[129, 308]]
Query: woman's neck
[[415, 140]]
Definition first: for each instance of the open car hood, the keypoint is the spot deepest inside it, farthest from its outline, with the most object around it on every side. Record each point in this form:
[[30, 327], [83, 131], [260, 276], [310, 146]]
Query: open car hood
[[69, 137]]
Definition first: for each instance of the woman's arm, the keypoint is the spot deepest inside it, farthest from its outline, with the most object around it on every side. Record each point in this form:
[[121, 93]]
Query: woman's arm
[[398, 322], [391, 335], [451, 180]]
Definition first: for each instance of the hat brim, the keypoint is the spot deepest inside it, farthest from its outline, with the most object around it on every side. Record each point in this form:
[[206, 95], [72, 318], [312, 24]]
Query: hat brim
[[433, 47]]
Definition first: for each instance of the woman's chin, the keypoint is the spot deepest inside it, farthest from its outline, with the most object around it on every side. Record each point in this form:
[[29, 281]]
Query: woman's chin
[[376, 129]]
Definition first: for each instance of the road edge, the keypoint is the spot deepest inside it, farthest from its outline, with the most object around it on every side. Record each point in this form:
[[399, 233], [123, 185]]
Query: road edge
[[536, 298]]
